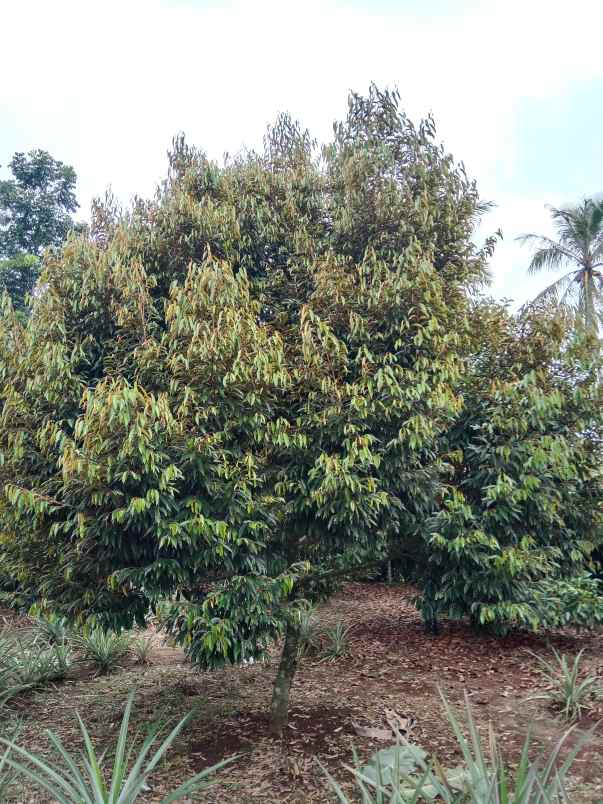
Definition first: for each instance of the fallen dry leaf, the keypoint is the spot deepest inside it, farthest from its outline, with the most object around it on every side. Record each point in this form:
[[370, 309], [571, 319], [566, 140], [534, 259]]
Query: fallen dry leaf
[[397, 723], [373, 733]]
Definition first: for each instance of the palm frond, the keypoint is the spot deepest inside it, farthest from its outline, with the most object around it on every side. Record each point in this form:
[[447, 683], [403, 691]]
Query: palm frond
[[559, 291], [596, 220], [572, 226], [570, 299], [546, 259], [580, 231], [581, 226], [550, 255], [597, 252], [598, 303], [482, 207], [597, 246]]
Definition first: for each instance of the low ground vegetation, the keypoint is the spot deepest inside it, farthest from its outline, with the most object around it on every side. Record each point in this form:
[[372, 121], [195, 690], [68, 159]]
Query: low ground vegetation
[[568, 689], [68, 780], [343, 714], [103, 648], [141, 647], [404, 774]]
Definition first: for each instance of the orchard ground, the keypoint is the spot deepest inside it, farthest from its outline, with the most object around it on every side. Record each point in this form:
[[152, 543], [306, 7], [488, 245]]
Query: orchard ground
[[393, 664]]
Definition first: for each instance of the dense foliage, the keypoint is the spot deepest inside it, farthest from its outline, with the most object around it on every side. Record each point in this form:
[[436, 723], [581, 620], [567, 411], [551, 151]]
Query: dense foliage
[[258, 381], [521, 514]]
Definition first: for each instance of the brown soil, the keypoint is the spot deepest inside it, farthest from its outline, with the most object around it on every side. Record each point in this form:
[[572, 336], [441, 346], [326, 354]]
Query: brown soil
[[393, 664]]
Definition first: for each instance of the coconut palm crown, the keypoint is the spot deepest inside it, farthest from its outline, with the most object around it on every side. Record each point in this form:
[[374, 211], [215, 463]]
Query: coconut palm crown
[[579, 245]]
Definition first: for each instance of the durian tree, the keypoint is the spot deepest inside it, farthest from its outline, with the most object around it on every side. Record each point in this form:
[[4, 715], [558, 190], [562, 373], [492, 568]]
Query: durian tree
[[247, 388]]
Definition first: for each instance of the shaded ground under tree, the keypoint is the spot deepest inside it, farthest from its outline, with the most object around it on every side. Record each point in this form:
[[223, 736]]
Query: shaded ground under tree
[[393, 663]]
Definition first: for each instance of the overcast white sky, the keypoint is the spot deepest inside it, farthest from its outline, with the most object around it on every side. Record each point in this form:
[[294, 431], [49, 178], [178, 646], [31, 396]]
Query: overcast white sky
[[516, 87]]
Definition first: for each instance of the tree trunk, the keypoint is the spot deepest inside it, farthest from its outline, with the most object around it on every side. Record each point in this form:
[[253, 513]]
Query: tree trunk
[[589, 302], [433, 625], [390, 577], [279, 709]]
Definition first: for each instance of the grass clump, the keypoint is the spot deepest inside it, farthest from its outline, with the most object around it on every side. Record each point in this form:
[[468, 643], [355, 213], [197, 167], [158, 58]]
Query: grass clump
[[336, 642], [309, 639], [9, 730], [54, 630], [568, 691], [86, 780], [104, 649], [141, 648], [30, 661]]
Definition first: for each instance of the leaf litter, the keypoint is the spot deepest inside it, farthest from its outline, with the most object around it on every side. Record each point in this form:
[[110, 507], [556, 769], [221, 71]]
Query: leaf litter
[[387, 685]]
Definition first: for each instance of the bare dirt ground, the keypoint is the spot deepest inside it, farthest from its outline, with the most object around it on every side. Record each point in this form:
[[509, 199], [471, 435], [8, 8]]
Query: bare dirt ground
[[393, 664]]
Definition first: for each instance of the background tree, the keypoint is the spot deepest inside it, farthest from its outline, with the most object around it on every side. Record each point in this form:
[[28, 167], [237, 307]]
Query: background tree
[[521, 514], [18, 277], [580, 245], [35, 212]]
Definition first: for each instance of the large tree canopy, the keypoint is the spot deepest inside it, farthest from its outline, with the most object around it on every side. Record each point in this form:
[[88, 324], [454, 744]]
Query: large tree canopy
[[35, 213], [35, 205], [246, 387]]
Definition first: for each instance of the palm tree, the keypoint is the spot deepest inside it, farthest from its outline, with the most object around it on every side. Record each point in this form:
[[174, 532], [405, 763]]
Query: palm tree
[[580, 245]]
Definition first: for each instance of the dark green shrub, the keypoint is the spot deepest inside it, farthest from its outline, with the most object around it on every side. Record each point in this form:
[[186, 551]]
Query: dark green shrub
[[521, 513]]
